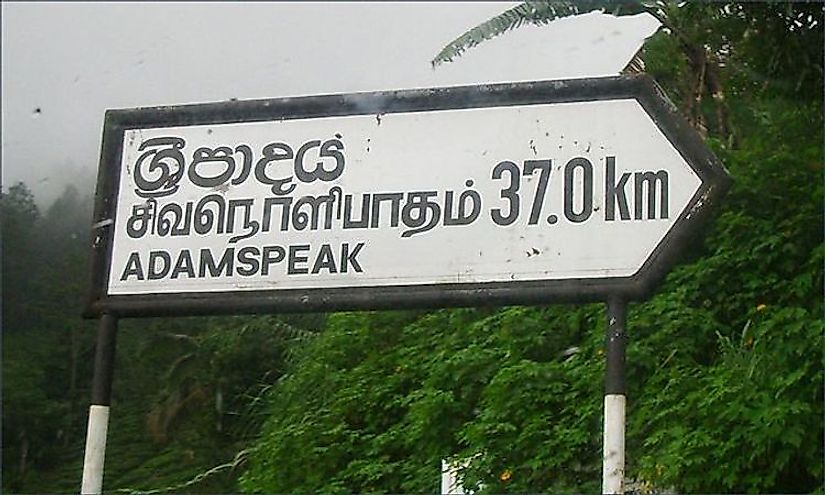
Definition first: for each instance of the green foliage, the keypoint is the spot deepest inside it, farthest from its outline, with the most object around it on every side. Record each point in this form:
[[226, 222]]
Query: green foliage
[[19, 215], [44, 349], [181, 405], [743, 417], [393, 396], [203, 378], [747, 423], [204, 374]]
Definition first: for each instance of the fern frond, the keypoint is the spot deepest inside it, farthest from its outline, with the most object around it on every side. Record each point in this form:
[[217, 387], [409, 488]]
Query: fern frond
[[531, 12]]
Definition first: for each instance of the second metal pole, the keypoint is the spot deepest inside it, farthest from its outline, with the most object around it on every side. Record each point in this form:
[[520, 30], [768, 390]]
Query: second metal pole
[[99, 410], [614, 399]]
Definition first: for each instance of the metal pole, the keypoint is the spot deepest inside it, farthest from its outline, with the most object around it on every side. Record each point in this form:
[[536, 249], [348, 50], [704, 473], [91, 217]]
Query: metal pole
[[99, 410], [614, 399]]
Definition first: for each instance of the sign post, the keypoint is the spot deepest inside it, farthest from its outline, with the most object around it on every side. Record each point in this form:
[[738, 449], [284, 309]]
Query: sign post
[[614, 399], [99, 410], [527, 193]]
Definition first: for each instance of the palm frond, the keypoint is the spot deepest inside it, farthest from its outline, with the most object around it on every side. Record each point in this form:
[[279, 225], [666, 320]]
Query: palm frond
[[536, 13]]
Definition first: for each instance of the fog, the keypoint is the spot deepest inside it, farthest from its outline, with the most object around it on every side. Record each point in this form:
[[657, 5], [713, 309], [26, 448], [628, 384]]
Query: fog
[[64, 64]]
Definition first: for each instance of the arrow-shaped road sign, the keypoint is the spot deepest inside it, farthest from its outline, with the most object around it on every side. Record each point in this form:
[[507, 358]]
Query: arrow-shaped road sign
[[513, 193]]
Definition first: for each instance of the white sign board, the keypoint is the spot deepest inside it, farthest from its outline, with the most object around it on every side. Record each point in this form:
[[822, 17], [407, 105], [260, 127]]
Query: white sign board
[[504, 192]]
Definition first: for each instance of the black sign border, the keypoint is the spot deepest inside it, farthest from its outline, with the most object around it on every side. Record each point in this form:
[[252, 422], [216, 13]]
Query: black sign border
[[714, 177]]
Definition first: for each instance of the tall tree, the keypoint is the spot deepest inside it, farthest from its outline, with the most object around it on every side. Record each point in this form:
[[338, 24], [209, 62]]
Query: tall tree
[[19, 221]]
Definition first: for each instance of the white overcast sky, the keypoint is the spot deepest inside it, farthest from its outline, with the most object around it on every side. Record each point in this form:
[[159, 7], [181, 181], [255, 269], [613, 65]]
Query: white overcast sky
[[64, 64]]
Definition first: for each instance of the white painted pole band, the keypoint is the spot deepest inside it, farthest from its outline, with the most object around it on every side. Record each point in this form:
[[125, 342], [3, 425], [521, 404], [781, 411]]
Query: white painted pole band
[[95, 450], [450, 482], [613, 461]]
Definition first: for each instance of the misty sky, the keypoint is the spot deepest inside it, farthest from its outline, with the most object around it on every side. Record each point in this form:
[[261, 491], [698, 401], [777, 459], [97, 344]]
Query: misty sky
[[64, 64]]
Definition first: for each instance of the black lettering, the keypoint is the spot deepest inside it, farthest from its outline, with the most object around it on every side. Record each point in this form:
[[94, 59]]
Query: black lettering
[[285, 203], [324, 260], [221, 156], [294, 259], [252, 225], [246, 151], [468, 199], [651, 180], [248, 261], [163, 180], [361, 223], [348, 258], [332, 148], [132, 268], [509, 193], [420, 212], [183, 264], [268, 259], [302, 219], [274, 152], [395, 207], [301, 173], [587, 189], [207, 262], [210, 213], [156, 272], [615, 192], [546, 166], [141, 220], [172, 220]]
